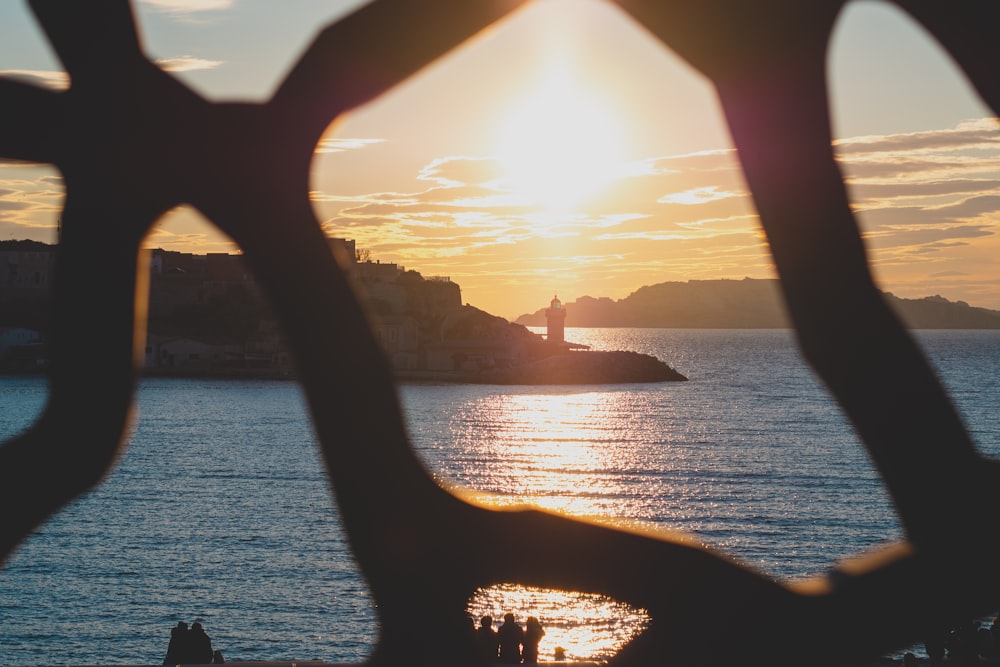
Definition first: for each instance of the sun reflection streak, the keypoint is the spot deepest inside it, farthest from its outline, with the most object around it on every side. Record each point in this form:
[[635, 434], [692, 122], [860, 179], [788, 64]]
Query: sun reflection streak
[[586, 626], [555, 452], [580, 451], [548, 443]]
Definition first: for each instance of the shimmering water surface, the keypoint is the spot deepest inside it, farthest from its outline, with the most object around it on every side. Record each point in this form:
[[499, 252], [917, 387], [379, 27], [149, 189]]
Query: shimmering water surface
[[220, 510]]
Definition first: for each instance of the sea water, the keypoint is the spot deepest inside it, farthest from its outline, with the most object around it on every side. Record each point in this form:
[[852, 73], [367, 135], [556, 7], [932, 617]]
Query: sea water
[[220, 511]]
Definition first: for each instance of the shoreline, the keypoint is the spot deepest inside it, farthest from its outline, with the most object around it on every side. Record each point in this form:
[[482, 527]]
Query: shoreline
[[568, 369]]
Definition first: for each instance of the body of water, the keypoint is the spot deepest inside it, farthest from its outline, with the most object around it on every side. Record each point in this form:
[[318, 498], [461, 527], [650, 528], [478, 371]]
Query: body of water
[[220, 511]]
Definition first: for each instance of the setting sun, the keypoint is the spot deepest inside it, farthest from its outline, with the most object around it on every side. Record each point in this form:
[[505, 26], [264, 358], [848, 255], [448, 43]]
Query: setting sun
[[560, 144]]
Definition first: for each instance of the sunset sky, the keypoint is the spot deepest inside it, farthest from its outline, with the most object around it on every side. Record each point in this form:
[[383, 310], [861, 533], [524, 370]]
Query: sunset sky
[[566, 151]]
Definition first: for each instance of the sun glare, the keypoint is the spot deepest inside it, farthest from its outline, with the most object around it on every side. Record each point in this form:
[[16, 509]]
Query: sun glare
[[560, 145]]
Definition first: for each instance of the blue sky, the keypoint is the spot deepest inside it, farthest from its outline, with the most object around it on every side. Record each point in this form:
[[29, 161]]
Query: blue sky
[[566, 151]]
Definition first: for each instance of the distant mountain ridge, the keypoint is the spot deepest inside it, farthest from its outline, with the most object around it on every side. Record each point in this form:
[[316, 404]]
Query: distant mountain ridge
[[742, 304]]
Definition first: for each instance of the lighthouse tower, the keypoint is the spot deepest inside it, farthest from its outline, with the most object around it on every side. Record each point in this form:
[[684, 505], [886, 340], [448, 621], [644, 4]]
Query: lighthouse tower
[[555, 317]]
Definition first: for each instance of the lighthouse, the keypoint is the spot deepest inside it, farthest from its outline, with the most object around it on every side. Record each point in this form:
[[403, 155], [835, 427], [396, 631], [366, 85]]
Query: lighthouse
[[555, 317]]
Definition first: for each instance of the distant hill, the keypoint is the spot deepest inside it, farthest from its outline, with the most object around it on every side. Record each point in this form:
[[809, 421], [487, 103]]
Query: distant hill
[[742, 304]]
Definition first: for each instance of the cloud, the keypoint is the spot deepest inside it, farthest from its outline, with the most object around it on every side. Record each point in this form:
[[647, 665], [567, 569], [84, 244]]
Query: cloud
[[187, 64], [333, 144], [188, 6], [985, 208], [51, 79], [866, 190], [936, 237], [927, 198], [31, 201], [975, 133], [699, 195], [971, 208], [58, 80], [456, 170], [927, 167]]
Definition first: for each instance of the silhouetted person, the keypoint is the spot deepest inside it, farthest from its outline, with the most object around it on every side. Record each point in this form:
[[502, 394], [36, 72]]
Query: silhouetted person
[[201, 646], [533, 633], [487, 640], [177, 647], [511, 636]]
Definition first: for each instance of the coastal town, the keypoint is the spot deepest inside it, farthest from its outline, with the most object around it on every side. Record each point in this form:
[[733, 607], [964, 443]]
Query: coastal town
[[207, 317]]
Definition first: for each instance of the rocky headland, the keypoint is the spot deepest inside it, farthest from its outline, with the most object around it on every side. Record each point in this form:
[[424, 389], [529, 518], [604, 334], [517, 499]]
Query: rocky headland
[[587, 367], [564, 368], [472, 346], [744, 304]]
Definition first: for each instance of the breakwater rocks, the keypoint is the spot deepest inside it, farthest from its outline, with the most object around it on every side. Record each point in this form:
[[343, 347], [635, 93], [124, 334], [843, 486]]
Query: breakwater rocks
[[580, 367]]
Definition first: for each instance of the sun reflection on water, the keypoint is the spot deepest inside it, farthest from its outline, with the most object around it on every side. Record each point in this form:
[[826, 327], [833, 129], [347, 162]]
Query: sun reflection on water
[[587, 627], [555, 451]]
